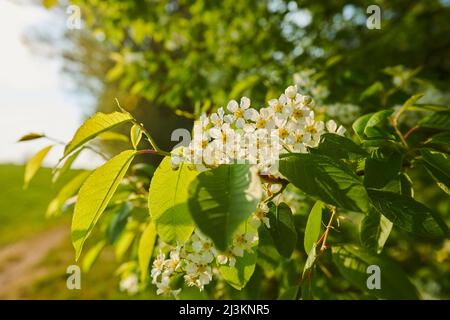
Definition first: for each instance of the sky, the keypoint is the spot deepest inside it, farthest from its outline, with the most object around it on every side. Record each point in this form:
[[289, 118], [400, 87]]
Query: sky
[[34, 96]]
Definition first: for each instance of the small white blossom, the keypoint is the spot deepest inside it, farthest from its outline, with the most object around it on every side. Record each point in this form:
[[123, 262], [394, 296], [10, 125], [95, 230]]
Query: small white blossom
[[130, 284], [332, 127], [291, 92]]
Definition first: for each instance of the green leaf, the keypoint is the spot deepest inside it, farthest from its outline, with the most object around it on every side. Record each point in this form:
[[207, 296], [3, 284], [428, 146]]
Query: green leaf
[[92, 255], [375, 88], [145, 251], [221, 199], [378, 125], [31, 136], [59, 171], [290, 293], [429, 107], [312, 257], [282, 228], [360, 124], [240, 274], [308, 273], [438, 166], [411, 101], [382, 170], [135, 135], [112, 136], [374, 230], [126, 239], [168, 204], [94, 196], [244, 84], [95, 125], [442, 138], [436, 120], [406, 185], [143, 169], [54, 208], [338, 147], [408, 214], [34, 164], [326, 179], [313, 226], [353, 262], [118, 222]]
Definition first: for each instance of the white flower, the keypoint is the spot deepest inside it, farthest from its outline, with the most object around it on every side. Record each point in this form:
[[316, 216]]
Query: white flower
[[243, 241], [200, 243], [283, 128], [130, 284], [175, 161], [164, 287], [287, 125], [260, 215], [173, 263], [223, 134], [158, 266], [227, 257], [198, 275], [298, 138], [291, 92], [238, 251], [262, 120], [202, 258], [315, 129], [241, 112], [217, 119], [332, 127], [204, 120], [280, 107]]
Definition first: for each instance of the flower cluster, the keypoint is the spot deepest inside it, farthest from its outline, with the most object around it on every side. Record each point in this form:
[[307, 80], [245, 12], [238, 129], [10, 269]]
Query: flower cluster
[[194, 260], [244, 134]]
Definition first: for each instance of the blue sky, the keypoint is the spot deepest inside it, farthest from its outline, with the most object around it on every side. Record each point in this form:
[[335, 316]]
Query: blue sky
[[34, 96]]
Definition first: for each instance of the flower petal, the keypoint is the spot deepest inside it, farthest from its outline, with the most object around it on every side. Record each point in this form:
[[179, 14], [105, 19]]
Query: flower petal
[[232, 106], [245, 103]]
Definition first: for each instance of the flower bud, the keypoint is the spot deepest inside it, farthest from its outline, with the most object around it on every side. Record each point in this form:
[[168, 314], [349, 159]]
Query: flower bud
[[291, 92], [307, 100]]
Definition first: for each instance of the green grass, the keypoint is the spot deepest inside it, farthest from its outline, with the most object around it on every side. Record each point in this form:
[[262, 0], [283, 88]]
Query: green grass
[[22, 215], [22, 212], [99, 283]]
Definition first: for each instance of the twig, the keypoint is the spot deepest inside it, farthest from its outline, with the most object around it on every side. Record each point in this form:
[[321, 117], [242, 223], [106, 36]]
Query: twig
[[145, 131], [394, 122], [407, 134], [270, 198], [151, 151], [105, 157], [324, 237]]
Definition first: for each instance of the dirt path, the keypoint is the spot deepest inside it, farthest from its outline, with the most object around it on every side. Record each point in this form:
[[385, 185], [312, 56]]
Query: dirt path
[[17, 260]]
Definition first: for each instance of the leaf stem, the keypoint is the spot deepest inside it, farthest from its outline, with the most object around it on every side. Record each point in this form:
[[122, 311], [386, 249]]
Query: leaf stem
[[145, 131], [324, 237], [407, 134], [105, 157], [271, 197], [97, 152], [151, 151]]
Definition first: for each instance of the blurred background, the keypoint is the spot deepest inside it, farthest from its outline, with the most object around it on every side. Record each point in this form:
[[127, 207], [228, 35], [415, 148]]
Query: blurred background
[[169, 61]]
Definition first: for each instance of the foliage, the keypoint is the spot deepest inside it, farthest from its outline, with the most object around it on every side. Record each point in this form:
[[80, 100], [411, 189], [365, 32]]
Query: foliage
[[208, 211], [383, 186]]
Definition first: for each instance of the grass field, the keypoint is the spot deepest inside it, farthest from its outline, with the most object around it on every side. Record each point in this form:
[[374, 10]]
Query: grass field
[[22, 218], [22, 212]]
